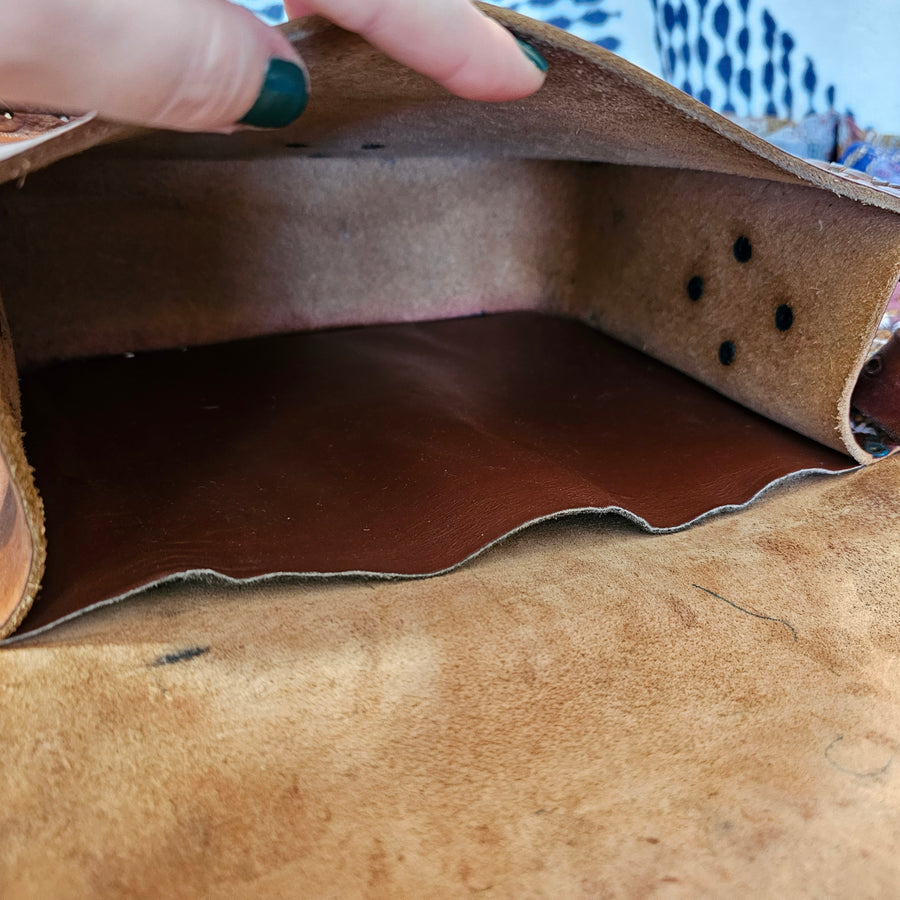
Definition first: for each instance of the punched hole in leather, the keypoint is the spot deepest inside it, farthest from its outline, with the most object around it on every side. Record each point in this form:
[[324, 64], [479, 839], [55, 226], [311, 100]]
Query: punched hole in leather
[[399, 449]]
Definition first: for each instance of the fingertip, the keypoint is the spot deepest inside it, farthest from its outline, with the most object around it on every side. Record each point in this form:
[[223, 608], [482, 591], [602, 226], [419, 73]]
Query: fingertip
[[532, 55], [245, 74], [281, 82], [499, 67], [282, 97], [450, 41]]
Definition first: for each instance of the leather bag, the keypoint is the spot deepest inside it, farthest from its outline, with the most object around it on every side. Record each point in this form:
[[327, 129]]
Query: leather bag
[[364, 349]]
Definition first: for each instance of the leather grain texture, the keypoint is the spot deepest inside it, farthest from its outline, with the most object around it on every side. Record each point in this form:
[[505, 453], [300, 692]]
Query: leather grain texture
[[394, 449]]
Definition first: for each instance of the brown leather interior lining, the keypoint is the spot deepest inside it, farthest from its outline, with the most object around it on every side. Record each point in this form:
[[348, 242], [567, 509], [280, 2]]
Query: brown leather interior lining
[[396, 449], [877, 393]]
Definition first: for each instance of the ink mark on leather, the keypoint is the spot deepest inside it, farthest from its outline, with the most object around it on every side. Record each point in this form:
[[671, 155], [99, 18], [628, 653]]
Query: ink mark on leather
[[373, 146], [695, 288], [749, 612], [168, 659], [726, 353], [296, 145], [8, 515], [784, 317], [742, 249], [869, 773]]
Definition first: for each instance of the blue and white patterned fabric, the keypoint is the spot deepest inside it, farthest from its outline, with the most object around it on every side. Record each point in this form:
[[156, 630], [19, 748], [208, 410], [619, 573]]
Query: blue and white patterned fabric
[[784, 58], [269, 12]]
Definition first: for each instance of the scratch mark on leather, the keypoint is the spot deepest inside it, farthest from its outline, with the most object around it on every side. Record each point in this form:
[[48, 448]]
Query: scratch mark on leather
[[874, 773], [168, 659], [749, 612]]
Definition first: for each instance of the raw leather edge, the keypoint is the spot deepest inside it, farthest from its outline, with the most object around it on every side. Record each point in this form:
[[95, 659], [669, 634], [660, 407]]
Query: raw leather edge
[[212, 577]]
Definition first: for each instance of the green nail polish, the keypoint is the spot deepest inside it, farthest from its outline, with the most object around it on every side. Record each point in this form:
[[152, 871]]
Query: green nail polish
[[533, 55], [283, 96]]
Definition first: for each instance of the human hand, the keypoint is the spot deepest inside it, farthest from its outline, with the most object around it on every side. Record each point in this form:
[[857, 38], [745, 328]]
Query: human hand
[[205, 65]]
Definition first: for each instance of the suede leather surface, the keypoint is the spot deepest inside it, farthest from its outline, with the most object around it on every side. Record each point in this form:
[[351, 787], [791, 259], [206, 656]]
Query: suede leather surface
[[568, 715]]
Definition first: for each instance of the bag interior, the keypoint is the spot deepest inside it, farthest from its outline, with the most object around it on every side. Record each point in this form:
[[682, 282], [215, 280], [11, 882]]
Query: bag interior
[[384, 338], [331, 366]]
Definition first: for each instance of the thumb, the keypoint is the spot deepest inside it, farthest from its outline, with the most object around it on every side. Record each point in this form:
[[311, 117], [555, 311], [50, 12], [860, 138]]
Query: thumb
[[193, 65]]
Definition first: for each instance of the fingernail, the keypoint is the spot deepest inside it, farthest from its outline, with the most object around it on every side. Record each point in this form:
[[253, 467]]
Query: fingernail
[[533, 55], [283, 96]]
